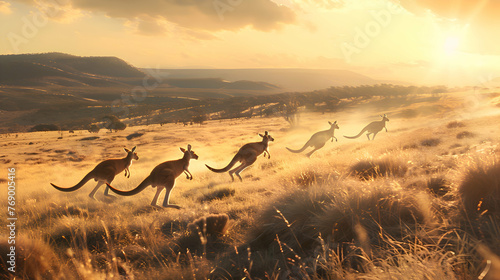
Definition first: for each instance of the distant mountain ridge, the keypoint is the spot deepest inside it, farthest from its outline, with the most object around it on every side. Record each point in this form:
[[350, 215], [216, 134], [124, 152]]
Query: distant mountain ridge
[[289, 79], [59, 69], [64, 69], [219, 83]]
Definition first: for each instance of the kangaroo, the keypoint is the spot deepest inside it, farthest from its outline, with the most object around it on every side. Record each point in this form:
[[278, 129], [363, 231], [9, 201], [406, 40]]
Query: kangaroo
[[372, 128], [105, 172], [318, 140], [163, 177], [247, 155]]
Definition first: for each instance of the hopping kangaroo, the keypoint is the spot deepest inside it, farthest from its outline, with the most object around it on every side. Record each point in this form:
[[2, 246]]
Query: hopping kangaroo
[[318, 140], [105, 172], [247, 155], [163, 177], [372, 128]]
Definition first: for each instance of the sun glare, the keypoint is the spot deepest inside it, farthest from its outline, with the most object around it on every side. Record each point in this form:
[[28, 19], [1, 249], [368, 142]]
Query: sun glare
[[451, 44]]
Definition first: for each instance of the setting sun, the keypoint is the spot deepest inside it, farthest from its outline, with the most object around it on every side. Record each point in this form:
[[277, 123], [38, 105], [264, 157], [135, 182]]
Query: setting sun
[[451, 44]]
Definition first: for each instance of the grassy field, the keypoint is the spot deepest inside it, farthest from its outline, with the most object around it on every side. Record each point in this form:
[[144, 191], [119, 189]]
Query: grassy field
[[421, 201]]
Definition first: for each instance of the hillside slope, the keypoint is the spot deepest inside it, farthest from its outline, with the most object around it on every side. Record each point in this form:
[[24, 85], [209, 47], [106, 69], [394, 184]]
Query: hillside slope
[[65, 70]]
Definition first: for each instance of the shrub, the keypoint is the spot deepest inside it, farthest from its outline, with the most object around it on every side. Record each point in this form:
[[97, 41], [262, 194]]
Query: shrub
[[431, 142], [465, 134], [455, 124]]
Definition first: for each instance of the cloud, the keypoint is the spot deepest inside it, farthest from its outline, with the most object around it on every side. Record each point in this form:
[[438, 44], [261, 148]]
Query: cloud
[[208, 15], [150, 27], [478, 17], [327, 4], [5, 8]]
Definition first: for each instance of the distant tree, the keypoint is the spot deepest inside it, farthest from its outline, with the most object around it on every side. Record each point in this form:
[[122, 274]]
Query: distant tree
[[290, 112], [112, 122], [200, 119], [119, 126], [94, 128]]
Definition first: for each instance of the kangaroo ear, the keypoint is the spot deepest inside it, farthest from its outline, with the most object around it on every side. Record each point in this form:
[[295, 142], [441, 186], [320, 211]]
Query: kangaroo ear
[[330, 123], [133, 149], [126, 150], [335, 122], [189, 147], [183, 150], [385, 115]]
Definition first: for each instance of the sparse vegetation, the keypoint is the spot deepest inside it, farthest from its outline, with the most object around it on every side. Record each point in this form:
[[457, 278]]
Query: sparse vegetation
[[410, 204], [219, 193], [431, 142]]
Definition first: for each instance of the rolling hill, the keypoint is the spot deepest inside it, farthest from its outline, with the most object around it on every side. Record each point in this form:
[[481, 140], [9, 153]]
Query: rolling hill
[[65, 70]]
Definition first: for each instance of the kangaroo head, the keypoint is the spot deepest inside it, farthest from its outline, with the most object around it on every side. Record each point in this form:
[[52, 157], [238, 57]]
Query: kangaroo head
[[333, 125], [384, 118], [189, 153], [132, 153], [266, 136]]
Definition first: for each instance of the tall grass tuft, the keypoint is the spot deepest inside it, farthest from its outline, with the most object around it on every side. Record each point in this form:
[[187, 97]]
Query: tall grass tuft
[[219, 193], [480, 188], [340, 214], [369, 169], [438, 186], [33, 260]]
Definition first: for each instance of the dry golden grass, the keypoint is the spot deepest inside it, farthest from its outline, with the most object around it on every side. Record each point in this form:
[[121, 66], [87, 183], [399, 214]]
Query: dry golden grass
[[414, 214]]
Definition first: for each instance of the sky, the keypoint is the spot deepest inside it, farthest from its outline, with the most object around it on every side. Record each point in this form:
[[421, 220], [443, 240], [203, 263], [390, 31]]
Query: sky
[[453, 42]]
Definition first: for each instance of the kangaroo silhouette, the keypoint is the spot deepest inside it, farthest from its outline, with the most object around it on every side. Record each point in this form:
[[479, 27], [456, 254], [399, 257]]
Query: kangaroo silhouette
[[105, 172], [247, 155], [163, 177], [318, 140], [372, 128]]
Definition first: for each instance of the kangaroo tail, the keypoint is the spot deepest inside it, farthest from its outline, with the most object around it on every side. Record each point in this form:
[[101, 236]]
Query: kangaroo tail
[[227, 168], [354, 137], [134, 191], [299, 150], [85, 179]]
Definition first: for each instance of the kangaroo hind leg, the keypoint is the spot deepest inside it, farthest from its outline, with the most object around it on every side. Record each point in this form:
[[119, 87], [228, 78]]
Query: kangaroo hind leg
[[99, 184], [237, 171], [168, 189], [109, 180], [242, 167]]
